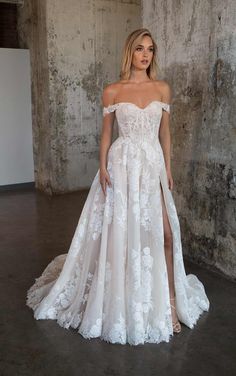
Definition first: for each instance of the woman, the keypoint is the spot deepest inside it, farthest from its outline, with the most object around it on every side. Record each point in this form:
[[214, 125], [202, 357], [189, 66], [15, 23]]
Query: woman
[[123, 279]]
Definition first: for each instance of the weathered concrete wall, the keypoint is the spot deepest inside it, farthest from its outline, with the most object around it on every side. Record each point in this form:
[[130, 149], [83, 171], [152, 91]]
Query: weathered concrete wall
[[82, 43], [33, 35], [197, 54]]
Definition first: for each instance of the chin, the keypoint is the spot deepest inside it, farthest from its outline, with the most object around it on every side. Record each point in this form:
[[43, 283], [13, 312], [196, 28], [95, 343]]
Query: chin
[[141, 67]]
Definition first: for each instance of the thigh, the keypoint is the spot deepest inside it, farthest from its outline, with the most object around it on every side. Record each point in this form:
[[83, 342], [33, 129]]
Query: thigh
[[166, 223]]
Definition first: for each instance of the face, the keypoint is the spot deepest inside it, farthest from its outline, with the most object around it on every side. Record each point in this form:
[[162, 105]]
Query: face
[[143, 54]]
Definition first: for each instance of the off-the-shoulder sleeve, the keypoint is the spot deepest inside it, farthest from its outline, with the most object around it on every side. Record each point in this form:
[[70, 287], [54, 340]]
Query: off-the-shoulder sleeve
[[110, 108], [166, 107]]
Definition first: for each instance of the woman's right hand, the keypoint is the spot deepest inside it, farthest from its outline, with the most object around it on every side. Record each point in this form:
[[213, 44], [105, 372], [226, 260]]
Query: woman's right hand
[[104, 179]]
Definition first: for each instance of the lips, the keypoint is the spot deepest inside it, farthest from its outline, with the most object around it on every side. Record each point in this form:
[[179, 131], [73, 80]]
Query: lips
[[144, 61]]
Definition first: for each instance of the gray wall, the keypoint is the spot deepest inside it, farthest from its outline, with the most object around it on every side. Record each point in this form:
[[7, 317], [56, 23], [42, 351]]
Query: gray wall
[[75, 51], [197, 54], [16, 154]]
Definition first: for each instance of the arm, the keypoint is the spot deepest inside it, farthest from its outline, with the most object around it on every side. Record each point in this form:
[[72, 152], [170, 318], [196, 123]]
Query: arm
[[164, 132], [106, 135], [107, 127]]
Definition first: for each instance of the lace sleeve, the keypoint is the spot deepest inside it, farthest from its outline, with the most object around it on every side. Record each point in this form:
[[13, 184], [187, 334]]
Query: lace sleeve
[[166, 107], [110, 108]]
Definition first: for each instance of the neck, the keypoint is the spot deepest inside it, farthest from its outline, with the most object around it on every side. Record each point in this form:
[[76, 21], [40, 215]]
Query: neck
[[138, 76]]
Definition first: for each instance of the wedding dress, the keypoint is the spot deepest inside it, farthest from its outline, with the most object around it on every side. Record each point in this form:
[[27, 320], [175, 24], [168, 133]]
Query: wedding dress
[[113, 282]]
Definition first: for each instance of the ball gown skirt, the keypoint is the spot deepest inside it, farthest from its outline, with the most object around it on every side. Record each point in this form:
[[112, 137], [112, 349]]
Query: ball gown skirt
[[113, 282]]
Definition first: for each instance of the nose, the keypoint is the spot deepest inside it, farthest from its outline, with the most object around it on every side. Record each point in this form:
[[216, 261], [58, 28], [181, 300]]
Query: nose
[[144, 52]]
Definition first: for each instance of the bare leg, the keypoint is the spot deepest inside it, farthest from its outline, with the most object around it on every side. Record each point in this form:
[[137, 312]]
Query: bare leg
[[168, 245]]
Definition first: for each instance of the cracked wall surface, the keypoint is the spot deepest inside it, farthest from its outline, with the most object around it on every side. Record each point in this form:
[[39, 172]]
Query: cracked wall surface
[[33, 35], [75, 51], [197, 53]]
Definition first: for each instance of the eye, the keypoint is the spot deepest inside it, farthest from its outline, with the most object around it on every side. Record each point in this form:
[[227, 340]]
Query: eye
[[139, 49]]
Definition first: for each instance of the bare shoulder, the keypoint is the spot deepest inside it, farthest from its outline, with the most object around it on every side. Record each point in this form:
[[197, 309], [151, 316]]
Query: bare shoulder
[[164, 89], [110, 93]]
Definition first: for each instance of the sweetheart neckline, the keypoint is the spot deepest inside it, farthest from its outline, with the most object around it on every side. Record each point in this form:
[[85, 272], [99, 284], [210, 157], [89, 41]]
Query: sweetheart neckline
[[140, 108]]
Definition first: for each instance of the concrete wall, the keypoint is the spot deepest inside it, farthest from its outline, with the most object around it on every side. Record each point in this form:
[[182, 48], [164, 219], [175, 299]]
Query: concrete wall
[[75, 50], [197, 54], [32, 28]]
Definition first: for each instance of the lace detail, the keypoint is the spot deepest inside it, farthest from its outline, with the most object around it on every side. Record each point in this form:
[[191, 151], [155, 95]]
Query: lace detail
[[113, 282], [166, 107], [109, 109]]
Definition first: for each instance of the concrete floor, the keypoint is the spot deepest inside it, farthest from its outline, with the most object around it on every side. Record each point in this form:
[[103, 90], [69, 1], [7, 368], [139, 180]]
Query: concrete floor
[[35, 228]]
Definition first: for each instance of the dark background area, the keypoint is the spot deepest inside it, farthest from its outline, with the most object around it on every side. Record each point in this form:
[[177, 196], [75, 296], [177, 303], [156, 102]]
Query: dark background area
[[8, 26]]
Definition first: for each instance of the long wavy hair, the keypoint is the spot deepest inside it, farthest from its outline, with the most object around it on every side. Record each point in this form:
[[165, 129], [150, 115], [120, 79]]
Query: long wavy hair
[[132, 41]]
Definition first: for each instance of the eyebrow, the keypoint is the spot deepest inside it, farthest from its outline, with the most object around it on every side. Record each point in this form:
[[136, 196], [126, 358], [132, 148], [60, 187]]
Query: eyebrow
[[141, 45]]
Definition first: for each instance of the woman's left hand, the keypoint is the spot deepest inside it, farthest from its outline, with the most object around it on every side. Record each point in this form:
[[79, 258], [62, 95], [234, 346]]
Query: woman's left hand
[[170, 180]]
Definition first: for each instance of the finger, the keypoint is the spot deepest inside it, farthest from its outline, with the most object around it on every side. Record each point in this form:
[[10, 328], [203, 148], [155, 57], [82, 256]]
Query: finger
[[104, 188], [109, 181]]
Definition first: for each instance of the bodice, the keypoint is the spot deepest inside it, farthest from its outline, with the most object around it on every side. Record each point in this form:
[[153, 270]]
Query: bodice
[[138, 123]]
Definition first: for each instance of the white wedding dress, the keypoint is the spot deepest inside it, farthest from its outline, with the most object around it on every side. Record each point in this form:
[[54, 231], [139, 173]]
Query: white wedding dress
[[113, 282]]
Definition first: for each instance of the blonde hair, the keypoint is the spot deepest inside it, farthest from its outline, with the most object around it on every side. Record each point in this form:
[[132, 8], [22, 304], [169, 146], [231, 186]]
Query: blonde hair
[[132, 41]]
